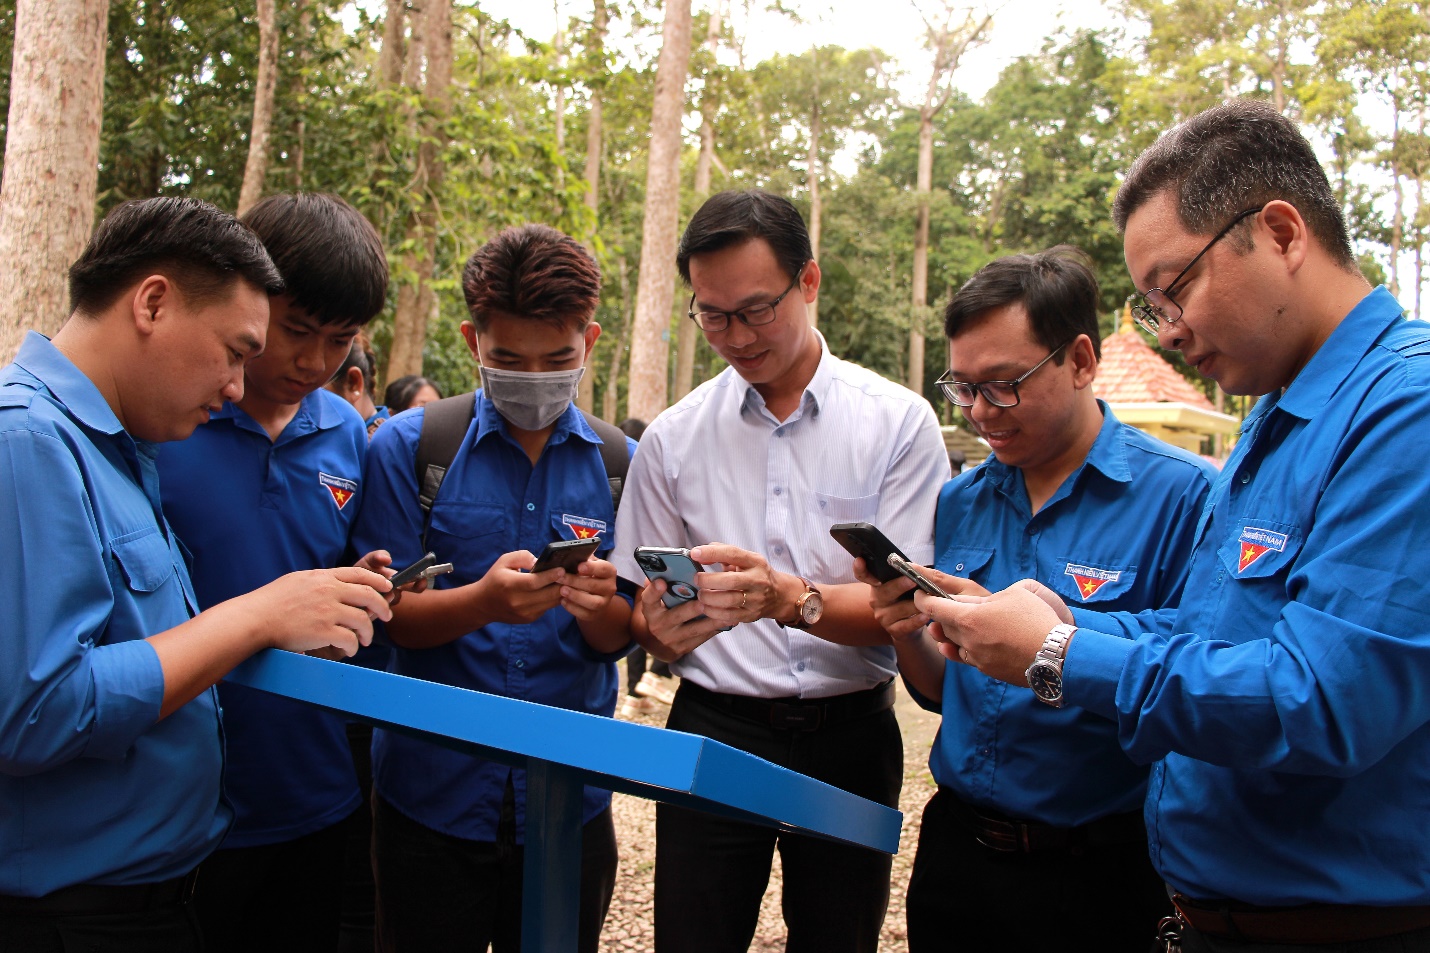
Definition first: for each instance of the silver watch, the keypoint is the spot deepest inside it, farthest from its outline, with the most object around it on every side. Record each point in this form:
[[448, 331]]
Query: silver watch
[[1045, 675]]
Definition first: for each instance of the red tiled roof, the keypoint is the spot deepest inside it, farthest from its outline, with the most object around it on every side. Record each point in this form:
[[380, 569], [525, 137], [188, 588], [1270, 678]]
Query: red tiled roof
[[1132, 373]]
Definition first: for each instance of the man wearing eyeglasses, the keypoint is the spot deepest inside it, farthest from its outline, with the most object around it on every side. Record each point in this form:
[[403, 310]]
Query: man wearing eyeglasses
[[1037, 819], [1286, 703], [750, 470]]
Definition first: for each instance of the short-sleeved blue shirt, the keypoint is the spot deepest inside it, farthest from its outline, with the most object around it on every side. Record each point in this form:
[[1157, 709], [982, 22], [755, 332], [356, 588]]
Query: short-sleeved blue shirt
[[1116, 535], [251, 509], [94, 788], [492, 502], [1286, 702]]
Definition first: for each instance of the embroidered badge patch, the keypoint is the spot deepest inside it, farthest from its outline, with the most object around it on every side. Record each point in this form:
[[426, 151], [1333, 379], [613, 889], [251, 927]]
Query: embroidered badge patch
[[342, 490], [1089, 579], [583, 526], [1256, 543]]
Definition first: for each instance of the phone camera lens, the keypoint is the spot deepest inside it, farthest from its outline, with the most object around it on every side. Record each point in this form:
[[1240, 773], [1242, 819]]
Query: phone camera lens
[[653, 563]]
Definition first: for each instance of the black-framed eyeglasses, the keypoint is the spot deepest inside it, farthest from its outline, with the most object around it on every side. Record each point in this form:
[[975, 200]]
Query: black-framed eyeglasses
[[752, 316], [997, 393], [1154, 308]]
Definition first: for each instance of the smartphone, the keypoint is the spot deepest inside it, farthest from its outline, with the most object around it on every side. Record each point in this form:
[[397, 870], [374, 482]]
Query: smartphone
[[865, 541], [566, 553], [905, 568], [425, 568], [674, 566]]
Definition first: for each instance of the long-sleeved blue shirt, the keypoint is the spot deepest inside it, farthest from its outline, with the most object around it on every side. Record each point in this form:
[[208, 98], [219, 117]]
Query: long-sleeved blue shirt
[[1286, 702], [251, 509], [492, 502], [1116, 535], [94, 788]]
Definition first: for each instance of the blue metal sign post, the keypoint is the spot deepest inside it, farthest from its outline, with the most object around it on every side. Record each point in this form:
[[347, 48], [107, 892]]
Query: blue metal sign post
[[564, 750]]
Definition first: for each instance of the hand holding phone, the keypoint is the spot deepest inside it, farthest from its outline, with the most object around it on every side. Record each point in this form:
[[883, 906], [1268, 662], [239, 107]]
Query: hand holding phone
[[908, 569], [675, 567], [568, 554], [425, 568], [865, 541]]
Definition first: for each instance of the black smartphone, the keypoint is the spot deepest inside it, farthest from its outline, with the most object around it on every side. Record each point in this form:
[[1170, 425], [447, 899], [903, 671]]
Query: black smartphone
[[674, 566], [566, 553], [905, 568], [865, 541], [425, 568]]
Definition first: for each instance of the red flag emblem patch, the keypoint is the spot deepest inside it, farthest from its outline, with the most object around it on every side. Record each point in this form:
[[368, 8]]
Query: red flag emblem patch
[[341, 490], [1255, 543], [1089, 579], [584, 527]]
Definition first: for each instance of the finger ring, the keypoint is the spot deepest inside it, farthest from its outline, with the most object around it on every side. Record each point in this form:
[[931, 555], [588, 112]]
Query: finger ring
[[742, 598]]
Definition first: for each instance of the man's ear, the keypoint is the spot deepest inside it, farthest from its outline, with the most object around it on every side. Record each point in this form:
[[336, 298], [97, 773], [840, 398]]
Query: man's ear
[[590, 335], [352, 380], [1290, 237], [1084, 361], [809, 281], [151, 301], [469, 334]]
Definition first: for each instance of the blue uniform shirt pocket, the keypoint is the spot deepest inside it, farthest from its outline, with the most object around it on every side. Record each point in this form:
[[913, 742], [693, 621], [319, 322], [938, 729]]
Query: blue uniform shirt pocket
[[470, 536], [964, 561], [1258, 549], [145, 560], [1088, 581]]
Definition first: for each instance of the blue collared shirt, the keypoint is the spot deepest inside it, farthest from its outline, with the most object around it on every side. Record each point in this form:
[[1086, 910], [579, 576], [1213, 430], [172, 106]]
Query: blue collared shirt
[[1116, 535], [1287, 701], [492, 502], [94, 788], [251, 509]]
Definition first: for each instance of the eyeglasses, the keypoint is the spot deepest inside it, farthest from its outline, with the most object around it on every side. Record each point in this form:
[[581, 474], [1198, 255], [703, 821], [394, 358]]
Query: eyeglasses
[[752, 316], [997, 393], [1155, 307]]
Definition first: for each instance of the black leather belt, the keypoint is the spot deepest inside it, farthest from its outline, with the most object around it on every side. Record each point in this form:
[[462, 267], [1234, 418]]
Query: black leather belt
[[794, 714], [1309, 925], [101, 899], [1010, 835]]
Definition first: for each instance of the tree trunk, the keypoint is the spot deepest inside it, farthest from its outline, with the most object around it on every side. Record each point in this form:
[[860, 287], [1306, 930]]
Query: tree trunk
[[389, 64], [415, 298], [255, 170], [815, 208], [923, 189], [586, 393], [300, 90], [1397, 218], [51, 160], [655, 286], [610, 406], [560, 104], [687, 334]]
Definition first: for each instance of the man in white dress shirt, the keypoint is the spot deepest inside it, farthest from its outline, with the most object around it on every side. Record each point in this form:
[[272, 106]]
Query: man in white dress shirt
[[780, 655]]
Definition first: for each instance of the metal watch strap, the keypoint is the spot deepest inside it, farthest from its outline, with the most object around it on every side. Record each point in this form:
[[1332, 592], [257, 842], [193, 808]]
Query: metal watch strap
[[1055, 646]]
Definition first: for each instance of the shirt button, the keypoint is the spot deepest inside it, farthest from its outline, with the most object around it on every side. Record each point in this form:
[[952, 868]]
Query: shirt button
[[778, 491], [958, 568], [800, 667], [779, 550], [521, 663], [1246, 477], [530, 507]]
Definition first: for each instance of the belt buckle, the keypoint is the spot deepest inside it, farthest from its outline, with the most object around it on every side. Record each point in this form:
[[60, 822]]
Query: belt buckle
[[785, 717]]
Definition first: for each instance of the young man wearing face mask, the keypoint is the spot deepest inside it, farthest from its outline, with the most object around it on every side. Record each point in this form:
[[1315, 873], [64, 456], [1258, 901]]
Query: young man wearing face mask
[[448, 828]]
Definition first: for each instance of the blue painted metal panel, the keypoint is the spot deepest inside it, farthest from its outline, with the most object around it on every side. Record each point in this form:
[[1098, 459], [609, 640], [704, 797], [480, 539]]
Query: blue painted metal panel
[[669, 766]]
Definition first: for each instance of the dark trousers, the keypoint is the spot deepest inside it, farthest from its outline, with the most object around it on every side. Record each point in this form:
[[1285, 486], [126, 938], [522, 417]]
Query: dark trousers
[[1417, 941], [358, 904], [437, 893], [711, 873], [963, 895], [168, 929], [275, 897]]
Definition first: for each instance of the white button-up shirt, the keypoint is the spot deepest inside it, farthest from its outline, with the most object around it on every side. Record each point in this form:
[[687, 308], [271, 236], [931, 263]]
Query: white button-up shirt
[[718, 467]]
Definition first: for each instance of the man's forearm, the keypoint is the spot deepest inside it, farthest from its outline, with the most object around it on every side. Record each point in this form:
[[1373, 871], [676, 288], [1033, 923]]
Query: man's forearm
[[424, 620], [848, 618]]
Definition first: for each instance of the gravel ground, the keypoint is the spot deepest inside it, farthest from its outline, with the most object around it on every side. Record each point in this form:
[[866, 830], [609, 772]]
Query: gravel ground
[[630, 927]]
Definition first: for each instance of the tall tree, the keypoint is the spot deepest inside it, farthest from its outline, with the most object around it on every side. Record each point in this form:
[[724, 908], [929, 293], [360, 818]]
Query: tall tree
[[596, 54], [415, 297], [255, 171], [948, 41], [655, 284], [51, 159]]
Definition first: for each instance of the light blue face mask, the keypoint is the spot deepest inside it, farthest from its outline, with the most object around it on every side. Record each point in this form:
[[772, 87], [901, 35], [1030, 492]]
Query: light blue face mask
[[531, 400]]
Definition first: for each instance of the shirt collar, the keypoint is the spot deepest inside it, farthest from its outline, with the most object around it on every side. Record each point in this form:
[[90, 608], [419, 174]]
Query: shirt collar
[[315, 412], [571, 423], [1108, 456], [1338, 356], [80, 397], [816, 391]]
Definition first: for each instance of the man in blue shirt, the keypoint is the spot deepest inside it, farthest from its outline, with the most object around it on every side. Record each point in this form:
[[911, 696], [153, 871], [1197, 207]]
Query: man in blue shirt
[[112, 750], [448, 827], [270, 485], [1038, 809], [1286, 703]]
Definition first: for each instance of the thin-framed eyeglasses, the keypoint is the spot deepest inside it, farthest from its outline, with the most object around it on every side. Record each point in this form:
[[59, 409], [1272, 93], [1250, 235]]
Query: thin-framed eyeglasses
[[751, 316], [1155, 307], [997, 393]]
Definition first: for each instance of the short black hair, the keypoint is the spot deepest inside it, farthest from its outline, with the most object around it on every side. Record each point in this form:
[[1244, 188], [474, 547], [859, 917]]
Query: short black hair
[[737, 216], [1056, 287], [532, 271], [202, 249], [1230, 158], [360, 356], [329, 255], [401, 392]]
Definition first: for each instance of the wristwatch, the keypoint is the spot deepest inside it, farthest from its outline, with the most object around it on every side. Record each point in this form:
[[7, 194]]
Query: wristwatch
[[808, 608], [1045, 675]]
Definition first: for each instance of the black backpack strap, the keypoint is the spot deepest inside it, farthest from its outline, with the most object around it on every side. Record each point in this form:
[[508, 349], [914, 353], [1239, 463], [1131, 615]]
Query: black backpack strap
[[614, 455], [444, 424]]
